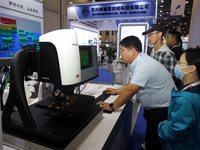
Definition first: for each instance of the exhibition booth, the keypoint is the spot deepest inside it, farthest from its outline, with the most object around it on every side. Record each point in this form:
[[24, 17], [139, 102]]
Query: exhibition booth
[[68, 61]]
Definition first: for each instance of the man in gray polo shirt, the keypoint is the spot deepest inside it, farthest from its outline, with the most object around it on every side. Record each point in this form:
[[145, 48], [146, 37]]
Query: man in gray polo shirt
[[151, 82]]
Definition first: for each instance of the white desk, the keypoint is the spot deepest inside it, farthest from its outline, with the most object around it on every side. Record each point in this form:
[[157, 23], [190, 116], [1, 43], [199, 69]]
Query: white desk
[[98, 136]]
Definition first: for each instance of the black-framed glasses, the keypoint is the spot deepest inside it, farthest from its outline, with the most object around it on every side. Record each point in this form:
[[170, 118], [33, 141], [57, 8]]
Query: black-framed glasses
[[149, 35]]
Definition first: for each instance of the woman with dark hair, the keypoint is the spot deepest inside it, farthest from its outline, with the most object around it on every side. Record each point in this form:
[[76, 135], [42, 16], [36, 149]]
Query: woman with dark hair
[[181, 131]]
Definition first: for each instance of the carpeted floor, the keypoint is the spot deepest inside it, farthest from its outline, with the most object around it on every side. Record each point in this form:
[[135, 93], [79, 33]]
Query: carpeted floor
[[104, 77], [138, 136]]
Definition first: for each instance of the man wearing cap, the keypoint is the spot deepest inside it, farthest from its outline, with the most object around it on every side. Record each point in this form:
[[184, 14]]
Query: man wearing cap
[[161, 52]]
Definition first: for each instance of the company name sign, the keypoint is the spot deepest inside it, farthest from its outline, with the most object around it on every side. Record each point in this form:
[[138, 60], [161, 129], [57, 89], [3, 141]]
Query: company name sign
[[136, 9]]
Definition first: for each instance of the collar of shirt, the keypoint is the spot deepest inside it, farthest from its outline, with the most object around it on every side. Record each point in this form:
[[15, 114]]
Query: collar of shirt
[[191, 85], [133, 64], [174, 46], [163, 48]]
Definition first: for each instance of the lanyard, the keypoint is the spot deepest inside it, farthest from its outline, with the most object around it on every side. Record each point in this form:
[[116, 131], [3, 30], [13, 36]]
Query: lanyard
[[191, 85]]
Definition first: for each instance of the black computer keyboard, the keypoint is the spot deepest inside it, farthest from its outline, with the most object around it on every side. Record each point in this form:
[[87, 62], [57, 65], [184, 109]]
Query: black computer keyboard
[[102, 97]]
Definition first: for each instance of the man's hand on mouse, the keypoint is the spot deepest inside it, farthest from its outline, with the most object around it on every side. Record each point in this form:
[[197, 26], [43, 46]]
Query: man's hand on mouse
[[104, 105], [110, 91]]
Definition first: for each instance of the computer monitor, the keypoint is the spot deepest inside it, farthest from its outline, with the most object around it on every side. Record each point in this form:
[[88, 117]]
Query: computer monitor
[[133, 29], [89, 64]]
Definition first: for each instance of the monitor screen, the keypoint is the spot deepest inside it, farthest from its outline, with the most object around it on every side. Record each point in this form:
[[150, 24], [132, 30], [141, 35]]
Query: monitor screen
[[86, 37], [133, 29], [136, 30], [89, 64]]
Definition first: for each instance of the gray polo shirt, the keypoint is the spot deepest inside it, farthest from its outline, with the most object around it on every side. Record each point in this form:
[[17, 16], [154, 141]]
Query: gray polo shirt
[[155, 80]]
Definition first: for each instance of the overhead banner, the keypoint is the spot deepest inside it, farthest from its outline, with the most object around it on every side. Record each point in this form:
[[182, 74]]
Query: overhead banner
[[177, 7], [133, 10]]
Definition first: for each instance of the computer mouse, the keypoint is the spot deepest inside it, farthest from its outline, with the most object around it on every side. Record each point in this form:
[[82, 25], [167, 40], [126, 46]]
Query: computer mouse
[[105, 92]]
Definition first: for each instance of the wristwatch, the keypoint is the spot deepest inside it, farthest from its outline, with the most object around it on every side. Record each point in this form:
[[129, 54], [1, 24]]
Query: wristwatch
[[111, 105]]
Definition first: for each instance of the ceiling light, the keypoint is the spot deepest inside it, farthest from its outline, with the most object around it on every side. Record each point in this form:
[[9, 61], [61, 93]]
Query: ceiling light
[[180, 23], [160, 10], [93, 1], [70, 2], [173, 21], [161, 5], [165, 19], [160, 15], [183, 15], [167, 25], [183, 28], [173, 27], [186, 2], [162, 1], [185, 23], [166, 12]]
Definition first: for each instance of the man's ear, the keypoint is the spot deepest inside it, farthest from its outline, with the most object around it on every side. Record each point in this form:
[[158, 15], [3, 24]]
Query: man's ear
[[160, 34], [132, 51]]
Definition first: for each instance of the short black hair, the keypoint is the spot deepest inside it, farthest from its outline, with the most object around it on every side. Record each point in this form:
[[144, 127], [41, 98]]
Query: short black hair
[[177, 36], [132, 42], [193, 58]]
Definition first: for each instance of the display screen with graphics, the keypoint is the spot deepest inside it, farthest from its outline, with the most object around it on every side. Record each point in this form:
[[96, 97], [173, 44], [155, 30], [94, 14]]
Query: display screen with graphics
[[16, 32], [86, 58], [89, 65], [86, 37], [135, 30]]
